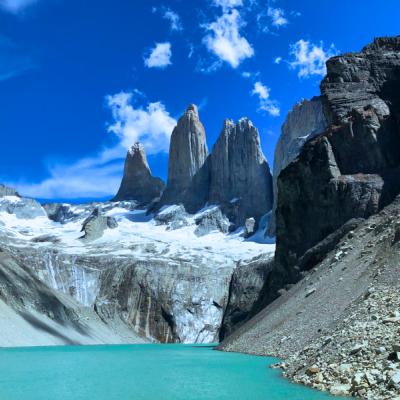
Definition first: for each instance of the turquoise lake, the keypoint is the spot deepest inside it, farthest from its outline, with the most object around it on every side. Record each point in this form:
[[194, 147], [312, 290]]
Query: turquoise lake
[[142, 372]]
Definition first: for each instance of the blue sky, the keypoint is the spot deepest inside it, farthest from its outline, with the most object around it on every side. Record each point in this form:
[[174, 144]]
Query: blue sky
[[81, 80]]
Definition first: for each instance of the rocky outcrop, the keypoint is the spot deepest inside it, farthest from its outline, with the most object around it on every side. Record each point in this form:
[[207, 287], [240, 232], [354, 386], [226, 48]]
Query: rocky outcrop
[[240, 178], [187, 170], [303, 122], [21, 207], [245, 294], [352, 169], [137, 182], [95, 225], [7, 191], [211, 220]]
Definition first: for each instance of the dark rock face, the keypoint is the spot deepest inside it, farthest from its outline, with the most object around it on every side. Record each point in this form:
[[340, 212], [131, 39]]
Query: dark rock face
[[352, 169], [240, 178], [305, 121], [245, 294], [187, 174], [138, 183], [59, 212]]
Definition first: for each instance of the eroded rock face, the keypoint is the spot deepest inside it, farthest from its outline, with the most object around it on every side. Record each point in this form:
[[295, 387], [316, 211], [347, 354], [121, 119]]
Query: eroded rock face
[[187, 177], [137, 182], [240, 177], [303, 122], [352, 169]]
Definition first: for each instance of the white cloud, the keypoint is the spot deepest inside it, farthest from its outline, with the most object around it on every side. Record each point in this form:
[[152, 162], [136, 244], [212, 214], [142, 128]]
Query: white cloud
[[100, 175], [278, 60], [225, 41], [152, 126], [160, 56], [261, 90], [309, 58], [173, 18], [227, 4], [15, 6], [266, 104], [277, 16]]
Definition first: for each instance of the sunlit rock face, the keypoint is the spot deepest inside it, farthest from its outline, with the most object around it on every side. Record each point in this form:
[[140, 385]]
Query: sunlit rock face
[[137, 182], [187, 174], [240, 177]]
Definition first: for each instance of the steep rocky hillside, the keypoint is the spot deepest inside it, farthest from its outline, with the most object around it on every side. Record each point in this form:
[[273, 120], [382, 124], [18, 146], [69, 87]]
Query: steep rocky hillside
[[338, 328]]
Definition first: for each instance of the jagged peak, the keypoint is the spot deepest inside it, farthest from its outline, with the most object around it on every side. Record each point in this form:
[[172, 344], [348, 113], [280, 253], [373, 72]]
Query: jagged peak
[[245, 122], [137, 148], [192, 108]]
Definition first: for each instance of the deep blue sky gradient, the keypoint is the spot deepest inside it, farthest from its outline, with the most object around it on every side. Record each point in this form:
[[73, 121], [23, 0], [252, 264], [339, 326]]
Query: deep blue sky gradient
[[75, 52]]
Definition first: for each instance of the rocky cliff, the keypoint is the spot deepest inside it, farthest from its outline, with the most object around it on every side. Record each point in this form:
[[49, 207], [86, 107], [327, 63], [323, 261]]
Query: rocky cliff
[[240, 177], [302, 123], [187, 175], [352, 169], [137, 182]]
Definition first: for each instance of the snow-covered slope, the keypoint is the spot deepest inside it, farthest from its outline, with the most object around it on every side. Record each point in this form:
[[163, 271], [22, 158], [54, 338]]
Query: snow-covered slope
[[166, 277]]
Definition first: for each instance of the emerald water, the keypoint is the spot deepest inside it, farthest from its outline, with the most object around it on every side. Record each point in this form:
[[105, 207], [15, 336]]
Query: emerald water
[[141, 372]]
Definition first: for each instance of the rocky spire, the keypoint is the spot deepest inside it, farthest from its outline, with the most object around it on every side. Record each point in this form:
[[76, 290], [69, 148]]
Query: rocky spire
[[137, 182], [187, 155], [240, 175]]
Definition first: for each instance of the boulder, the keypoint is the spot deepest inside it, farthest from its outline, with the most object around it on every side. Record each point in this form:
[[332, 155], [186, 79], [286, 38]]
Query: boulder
[[174, 217], [137, 182], [95, 225], [211, 220]]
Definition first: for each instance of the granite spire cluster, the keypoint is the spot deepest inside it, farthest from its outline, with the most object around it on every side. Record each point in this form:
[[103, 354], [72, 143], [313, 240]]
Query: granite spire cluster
[[235, 175]]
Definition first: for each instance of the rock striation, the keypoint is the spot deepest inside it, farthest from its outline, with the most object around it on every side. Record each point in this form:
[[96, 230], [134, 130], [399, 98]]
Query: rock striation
[[187, 171], [305, 121], [137, 182], [240, 177], [352, 169]]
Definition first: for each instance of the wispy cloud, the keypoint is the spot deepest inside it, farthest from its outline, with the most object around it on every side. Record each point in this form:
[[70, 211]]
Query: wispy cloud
[[14, 61], [15, 6], [309, 59], [277, 16], [173, 18], [160, 56], [266, 104], [225, 39], [100, 175], [278, 60]]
